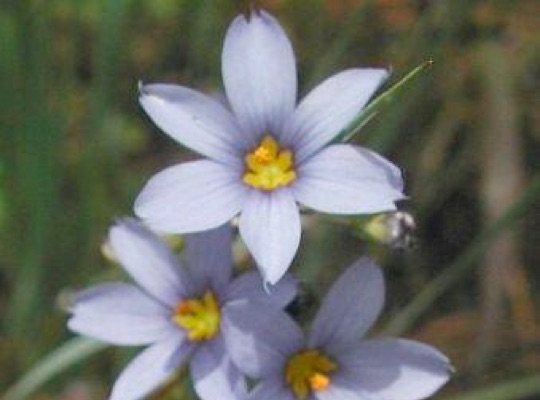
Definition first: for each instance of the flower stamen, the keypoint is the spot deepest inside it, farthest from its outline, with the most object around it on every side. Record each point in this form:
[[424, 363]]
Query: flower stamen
[[268, 166], [308, 371], [200, 317]]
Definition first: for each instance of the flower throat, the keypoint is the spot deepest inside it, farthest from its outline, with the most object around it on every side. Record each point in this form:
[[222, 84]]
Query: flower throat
[[308, 371], [268, 166], [199, 317]]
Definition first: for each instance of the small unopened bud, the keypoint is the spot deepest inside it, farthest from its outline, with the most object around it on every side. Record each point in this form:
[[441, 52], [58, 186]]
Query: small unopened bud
[[395, 229]]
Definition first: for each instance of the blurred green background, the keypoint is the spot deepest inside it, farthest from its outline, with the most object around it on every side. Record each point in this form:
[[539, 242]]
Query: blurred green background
[[75, 149]]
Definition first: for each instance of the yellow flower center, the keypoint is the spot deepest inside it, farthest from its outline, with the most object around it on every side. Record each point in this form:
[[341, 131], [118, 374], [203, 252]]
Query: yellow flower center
[[199, 317], [268, 166], [308, 371]]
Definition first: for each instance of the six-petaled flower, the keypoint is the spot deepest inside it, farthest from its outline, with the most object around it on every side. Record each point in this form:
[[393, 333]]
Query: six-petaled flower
[[177, 310], [331, 363], [265, 154]]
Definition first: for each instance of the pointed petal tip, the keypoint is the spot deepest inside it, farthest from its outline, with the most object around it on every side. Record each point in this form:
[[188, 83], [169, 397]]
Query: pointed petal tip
[[272, 277], [253, 12], [287, 279], [350, 307], [269, 279], [259, 73], [273, 272], [148, 92], [141, 87], [271, 230], [250, 11]]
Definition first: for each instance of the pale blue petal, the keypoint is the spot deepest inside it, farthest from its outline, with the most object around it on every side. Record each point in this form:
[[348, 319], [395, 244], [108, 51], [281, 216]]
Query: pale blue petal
[[270, 228], [119, 313], [272, 389], [329, 108], [336, 391], [394, 369], [350, 307], [391, 171], [214, 375], [209, 258], [259, 74], [194, 120], [250, 286], [149, 261], [259, 342], [191, 197], [150, 369], [343, 179]]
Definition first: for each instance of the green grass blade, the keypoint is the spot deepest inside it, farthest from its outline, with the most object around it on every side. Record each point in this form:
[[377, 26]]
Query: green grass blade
[[34, 136], [523, 388], [374, 107], [61, 359]]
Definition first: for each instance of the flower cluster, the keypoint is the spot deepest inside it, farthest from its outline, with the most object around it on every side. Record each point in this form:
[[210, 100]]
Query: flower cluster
[[264, 156]]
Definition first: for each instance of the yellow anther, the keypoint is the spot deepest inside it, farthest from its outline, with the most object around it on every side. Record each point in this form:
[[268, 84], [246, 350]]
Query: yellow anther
[[269, 167], [308, 371], [199, 317], [319, 381], [266, 151]]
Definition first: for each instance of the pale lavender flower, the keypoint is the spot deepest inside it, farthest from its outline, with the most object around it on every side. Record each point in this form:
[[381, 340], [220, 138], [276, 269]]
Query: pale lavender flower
[[267, 154], [176, 310], [331, 363]]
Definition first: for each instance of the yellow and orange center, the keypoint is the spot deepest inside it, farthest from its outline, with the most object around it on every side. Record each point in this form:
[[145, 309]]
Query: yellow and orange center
[[308, 371], [199, 317], [268, 166]]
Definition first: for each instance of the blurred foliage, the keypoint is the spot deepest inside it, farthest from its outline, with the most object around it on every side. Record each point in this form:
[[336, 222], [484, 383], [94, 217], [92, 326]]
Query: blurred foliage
[[75, 149]]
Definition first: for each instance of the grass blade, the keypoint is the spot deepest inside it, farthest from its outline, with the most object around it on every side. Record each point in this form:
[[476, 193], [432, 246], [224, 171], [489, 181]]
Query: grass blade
[[62, 358], [522, 388], [374, 107]]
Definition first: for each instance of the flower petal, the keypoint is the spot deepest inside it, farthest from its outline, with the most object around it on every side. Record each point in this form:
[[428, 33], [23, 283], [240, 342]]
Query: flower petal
[[329, 108], [149, 261], [271, 389], [259, 73], [259, 342], [194, 120], [350, 307], [191, 197], [214, 375], [209, 258], [150, 368], [250, 286], [338, 391], [343, 179], [395, 369], [270, 228], [119, 313]]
